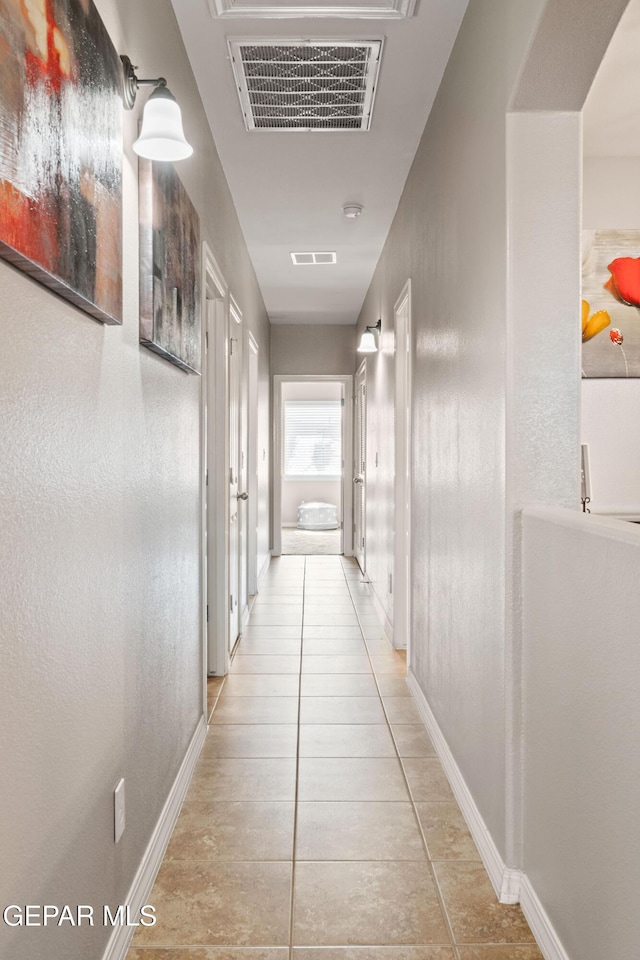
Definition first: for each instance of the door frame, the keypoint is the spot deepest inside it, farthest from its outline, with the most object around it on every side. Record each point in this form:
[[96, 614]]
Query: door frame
[[361, 373], [253, 374], [403, 472], [214, 447], [237, 326], [347, 456]]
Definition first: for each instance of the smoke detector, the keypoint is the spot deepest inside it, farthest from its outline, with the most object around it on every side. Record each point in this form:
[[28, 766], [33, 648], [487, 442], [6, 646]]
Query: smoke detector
[[352, 210]]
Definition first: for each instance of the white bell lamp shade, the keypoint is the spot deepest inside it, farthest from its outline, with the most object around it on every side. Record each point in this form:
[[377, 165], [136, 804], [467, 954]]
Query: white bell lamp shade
[[368, 343], [162, 136]]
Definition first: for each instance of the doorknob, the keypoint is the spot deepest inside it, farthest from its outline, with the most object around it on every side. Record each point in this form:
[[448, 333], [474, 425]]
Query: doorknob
[[357, 480], [242, 496]]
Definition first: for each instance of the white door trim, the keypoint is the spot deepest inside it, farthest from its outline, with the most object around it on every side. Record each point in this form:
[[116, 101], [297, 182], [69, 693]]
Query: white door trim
[[214, 446], [360, 375], [347, 455], [244, 477], [253, 361], [236, 340], [402, 483]]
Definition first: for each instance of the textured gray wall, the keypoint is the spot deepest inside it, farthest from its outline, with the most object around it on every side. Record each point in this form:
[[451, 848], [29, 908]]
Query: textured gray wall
[[449, 237], [312, 349], [582, 728], [100, 517], [488, 231]]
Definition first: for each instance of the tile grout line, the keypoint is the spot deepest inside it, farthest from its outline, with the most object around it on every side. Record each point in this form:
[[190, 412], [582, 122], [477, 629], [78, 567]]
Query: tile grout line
[[330, 946], [295, 816], [431, 869], [295, 798]]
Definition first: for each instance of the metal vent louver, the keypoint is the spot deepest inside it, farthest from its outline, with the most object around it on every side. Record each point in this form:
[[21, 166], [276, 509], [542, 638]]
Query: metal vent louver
[[313, 259], [302, 86]]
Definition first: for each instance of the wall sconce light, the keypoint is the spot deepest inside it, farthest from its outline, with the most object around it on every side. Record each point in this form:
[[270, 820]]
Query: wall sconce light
[[368, 341], [161, 136]]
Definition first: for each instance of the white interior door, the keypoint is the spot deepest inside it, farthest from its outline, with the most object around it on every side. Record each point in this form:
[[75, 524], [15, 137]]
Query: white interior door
[[211, 410], [216, 479], [360, 467], [235, 382]]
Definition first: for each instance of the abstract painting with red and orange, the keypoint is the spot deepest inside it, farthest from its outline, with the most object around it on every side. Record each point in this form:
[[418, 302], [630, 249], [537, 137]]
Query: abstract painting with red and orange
[[611, 303], [61, 151]]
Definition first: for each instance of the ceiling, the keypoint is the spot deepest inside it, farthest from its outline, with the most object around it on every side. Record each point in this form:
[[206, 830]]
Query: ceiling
[[611, 115], [289, 187]]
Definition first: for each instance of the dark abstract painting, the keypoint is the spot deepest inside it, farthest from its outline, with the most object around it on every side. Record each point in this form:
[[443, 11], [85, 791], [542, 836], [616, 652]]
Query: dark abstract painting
[[61, 151], [169, 267]]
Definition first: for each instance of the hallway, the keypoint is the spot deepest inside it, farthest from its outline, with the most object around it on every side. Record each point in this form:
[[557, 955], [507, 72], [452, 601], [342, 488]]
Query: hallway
[[421, 210], [319, 815]]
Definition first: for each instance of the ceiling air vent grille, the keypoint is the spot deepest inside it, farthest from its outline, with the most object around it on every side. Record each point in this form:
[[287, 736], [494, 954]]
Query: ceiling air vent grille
[[303, 86], [313, 259]]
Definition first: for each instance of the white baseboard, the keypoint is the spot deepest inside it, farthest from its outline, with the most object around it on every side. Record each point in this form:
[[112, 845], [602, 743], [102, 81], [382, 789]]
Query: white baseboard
[[143, 881], [510, 885], [505, 881], [541, 926], [387, 626]]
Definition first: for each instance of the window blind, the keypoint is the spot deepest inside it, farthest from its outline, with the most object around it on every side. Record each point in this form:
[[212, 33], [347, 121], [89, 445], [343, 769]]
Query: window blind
[[312, 438]]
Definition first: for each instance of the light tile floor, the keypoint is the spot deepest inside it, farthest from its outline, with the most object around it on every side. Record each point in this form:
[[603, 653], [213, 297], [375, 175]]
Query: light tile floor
[[319, 824]]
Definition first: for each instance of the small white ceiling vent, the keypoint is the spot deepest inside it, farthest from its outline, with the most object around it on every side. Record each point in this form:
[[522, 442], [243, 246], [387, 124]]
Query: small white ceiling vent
[[313, 259], [276, 9], [306, 85]]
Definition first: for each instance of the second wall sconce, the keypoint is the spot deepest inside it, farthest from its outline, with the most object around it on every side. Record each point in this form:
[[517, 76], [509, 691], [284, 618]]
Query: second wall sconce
[[161, 136], [368, 340]]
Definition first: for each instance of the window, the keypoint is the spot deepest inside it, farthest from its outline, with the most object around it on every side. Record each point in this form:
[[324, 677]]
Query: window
[[313, 438]]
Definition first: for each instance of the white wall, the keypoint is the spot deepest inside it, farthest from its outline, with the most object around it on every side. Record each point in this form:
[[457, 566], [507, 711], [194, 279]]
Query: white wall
[[582, 728], [311, 390], [295, 491], [449, 237], [488, 231], [611, 427], [611, 200], [100, 515], [576, 651]]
